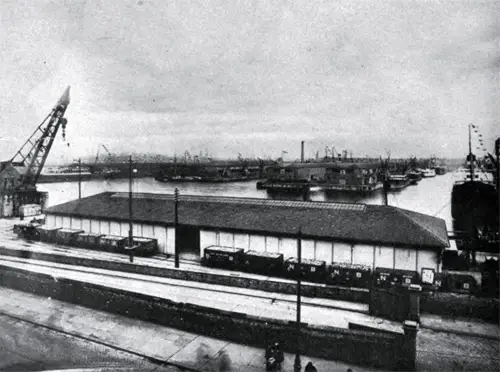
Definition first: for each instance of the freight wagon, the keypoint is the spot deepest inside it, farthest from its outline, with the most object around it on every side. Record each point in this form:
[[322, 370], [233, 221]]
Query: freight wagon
[[338, 274], [81, 239]]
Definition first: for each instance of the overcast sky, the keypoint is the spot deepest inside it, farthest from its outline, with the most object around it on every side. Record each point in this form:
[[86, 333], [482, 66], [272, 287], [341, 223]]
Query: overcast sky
[[252, 76]]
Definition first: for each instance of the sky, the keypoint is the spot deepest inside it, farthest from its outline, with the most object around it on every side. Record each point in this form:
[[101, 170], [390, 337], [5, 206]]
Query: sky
[[254, 77]]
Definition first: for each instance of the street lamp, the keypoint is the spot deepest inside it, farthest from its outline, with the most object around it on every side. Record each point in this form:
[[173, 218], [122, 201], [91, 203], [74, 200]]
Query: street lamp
[[297, 365]]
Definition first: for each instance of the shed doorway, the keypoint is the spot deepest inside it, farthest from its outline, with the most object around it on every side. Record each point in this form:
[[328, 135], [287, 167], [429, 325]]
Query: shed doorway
[[188, 242]]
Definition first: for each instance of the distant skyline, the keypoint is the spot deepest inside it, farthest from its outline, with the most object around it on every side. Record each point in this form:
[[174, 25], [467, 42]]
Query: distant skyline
[[252, 76]]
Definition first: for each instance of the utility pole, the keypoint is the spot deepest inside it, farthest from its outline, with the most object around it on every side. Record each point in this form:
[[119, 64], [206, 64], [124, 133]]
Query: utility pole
[[79, 178], [130, 225], [297, 365], [176, 225]]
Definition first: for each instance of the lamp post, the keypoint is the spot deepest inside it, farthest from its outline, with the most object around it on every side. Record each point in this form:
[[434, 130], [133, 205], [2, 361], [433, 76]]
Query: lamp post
[[176, 225], [297, 365]]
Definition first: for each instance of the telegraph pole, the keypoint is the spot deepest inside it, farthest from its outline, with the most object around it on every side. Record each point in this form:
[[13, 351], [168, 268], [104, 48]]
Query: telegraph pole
[[130, 225], [176, 225], [79, 178], [297, 365]]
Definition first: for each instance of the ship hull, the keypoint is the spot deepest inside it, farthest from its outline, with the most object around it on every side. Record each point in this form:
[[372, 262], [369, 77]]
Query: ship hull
[[474, 201]]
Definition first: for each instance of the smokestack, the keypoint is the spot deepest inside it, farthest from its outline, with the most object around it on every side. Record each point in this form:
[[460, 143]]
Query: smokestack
[[302, 151]]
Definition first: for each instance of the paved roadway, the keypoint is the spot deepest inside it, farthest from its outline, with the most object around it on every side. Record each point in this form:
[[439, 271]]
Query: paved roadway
[[24, 346], [120, 332]]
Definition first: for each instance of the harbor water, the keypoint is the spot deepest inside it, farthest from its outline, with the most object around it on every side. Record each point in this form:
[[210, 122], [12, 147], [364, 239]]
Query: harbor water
[[432, 196]]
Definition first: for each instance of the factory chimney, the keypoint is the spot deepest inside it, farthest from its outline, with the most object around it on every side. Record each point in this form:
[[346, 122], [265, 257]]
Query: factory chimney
[[302, 151]]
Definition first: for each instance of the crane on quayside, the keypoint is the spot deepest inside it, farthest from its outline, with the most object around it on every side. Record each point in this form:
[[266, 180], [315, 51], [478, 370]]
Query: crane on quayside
[[20, 174]]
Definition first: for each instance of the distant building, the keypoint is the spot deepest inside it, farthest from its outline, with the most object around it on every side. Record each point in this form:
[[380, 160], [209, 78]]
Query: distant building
[[10, 179], [373, 235], [11, 197]]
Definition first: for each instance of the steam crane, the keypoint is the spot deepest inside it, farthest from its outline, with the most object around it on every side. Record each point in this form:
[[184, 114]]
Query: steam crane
[[35, 150], [22, 171], [105, 148]]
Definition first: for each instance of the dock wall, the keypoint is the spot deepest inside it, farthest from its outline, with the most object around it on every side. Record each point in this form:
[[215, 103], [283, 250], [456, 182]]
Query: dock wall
[[391, 351]]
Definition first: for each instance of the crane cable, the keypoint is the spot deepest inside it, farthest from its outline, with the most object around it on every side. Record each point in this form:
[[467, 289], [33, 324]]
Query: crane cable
[[439, 211]]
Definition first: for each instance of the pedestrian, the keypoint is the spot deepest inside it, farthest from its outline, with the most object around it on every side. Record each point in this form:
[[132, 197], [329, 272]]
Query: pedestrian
[[310, 367], [224, 361]]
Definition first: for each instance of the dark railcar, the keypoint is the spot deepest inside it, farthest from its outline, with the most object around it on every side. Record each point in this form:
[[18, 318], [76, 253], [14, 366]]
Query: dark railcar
[[145, 246], [112, 243], [349, 275], [460, 283], [387, 278], [311, 270], [88, 240], [67, 236], [27, 231], [265, 263], [48, 234], [224, 257]]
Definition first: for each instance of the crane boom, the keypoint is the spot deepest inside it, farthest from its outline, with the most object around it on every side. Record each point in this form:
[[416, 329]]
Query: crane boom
[[35, 150]]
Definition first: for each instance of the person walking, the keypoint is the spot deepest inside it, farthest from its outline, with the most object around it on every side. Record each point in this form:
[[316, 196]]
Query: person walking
[[310, 367]]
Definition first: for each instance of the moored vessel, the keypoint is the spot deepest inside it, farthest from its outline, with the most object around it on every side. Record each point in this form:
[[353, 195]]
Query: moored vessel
[[398, 181], [414, 177], [474, 202], [428, 172]]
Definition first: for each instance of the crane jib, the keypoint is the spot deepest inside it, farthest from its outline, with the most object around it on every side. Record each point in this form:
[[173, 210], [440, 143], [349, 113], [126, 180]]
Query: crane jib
[[35, 150]]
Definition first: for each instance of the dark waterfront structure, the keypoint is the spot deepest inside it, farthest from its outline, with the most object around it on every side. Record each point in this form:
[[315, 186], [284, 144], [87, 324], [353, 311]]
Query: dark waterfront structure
[[340, 176]]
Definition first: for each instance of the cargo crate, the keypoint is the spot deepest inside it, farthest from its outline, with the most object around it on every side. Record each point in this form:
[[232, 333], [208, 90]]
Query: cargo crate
[[226, 257], [112, 243], [266, 263], [145, 246], [28, 210], [48, 234], [67, 236], [349, 275], [311, 270]]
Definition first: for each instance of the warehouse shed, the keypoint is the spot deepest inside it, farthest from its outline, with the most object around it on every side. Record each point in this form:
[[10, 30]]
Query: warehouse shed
[[373, 235]]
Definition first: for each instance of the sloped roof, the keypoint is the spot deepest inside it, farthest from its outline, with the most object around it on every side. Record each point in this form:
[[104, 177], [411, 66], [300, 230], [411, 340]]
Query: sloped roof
[[373, 224]]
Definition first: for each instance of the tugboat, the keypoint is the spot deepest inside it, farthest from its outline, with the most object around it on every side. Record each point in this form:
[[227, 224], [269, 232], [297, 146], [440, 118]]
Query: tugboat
[[414, 177], [426, 173], [474, 202], [398, 181]]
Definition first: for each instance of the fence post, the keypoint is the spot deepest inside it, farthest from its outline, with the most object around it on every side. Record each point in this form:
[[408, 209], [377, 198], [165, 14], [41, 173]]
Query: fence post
[[408, 353], [414, 291]]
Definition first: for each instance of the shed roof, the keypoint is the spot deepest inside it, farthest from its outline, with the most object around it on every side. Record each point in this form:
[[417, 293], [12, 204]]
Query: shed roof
[[373, 224]]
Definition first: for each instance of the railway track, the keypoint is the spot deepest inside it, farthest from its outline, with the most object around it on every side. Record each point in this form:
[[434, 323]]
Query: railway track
[[175, 283]]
